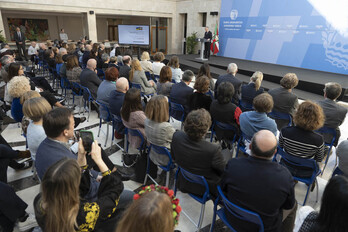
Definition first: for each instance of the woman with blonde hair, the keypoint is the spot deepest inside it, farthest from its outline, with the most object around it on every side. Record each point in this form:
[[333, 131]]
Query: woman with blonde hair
[[301, 140], [60, 205], [145, 62], [35, 108], [164, 85], [153, 213], [176, 71], [251, 90], [157, 63], [157, 128], [137, 76]]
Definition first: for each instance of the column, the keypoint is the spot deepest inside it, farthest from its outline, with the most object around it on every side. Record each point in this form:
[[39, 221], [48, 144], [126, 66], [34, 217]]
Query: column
[[2, 27], [92, 26]]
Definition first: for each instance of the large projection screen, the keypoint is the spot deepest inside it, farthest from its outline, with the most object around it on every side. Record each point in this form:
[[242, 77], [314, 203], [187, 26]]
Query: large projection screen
[[133, 34], [311, 34]]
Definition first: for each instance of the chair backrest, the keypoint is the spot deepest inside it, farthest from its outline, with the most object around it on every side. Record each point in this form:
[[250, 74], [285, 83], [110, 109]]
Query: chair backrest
[[65, 83], [328, 130], [223, 126], [137, 86], [239, 212], [87, 93], [177, 111], [245, 105], [148, 75], [104, 108], [299, 162], [280, 115], [118, 124], [162, 151], [156, 78], [196, 179], [76, 86], [100, 73], [58, 66], [134, 133]]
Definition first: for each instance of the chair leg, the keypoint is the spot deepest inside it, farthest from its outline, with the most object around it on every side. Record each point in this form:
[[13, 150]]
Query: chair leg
[[89, 110], [201, 217], [80, 105], [316, 182], [107, 134], [100, 124], [214, 216], [305, 200], [167, 178]]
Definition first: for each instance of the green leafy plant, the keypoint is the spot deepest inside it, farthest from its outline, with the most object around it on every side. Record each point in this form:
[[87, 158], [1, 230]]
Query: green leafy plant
[[2, 37], [191, 43]]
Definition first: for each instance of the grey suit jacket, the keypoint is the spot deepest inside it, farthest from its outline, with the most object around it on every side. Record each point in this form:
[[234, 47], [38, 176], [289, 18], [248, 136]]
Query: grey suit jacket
[[89, 79]]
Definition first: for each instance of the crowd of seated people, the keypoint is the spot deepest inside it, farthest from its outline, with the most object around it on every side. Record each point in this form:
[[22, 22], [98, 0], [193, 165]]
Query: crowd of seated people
[[91, 186]]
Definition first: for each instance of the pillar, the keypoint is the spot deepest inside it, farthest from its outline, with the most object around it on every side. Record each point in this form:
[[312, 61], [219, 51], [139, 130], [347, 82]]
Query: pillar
[[92, 26]]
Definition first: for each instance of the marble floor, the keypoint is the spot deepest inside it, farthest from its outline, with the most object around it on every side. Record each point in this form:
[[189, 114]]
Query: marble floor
[[27, 187]]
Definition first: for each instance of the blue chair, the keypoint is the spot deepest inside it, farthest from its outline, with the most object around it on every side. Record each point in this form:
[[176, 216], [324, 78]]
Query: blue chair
[[177, 111], [156, 78], [106, 118], [245, 106], [170, 165], [58, 66], [195, 179], [337, 171], [333, 133], [225, 127], [236, 211], [65, 85], [77, 91], [241, 143], [138, 86], [135, 133], [148, 75], [88, 98], [210, 94], [116, 121], [301, 163], [281, 116], [100, 73]]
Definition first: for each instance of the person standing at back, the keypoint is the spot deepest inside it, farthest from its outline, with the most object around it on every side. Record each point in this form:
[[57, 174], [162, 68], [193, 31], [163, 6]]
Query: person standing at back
[[207, 36], [19, 37]]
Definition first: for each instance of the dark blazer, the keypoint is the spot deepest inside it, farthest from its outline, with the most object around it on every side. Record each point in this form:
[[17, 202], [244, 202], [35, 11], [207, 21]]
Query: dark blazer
[[180, 93], [235, 82], [201, 158], [208, 35], [124, 71], [285, 102], [259, 185], [16, 38], [85, 57], [89, 79], [249, 92], [48, 153], [116, 100], [199, 100]]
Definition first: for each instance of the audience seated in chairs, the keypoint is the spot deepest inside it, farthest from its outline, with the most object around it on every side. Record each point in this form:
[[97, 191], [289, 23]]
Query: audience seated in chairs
[[204, 70], [64, 186], [106, 87], [334, 113], [284, 100], [73, 69], [199, 99], [180, 92], [153, 212], [254, 121], [164, 85], [157, 128], [145, 62], [333, 209], [342, 154], [157, 63], [223, 110], [175, 68], [251, 90], [133, 116], [125, 68], [232, 70], [262, 186], [89, 78], [137, 76], [301, 140], [193, 153]]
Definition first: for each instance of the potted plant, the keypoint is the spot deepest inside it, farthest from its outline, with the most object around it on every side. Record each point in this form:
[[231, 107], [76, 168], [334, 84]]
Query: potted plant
[[191, 43]]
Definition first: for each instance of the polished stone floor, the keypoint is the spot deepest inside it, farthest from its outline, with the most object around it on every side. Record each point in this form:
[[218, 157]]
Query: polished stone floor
[[27, 187]]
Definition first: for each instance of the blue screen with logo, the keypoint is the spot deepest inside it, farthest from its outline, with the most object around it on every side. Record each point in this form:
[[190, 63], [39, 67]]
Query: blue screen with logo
[[311, 34]]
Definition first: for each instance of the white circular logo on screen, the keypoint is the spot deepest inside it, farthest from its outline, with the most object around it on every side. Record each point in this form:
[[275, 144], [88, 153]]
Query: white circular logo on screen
[[234, 14]]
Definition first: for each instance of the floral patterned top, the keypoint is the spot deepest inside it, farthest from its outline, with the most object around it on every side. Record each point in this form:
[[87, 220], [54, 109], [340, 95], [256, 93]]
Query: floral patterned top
[[109, 192]]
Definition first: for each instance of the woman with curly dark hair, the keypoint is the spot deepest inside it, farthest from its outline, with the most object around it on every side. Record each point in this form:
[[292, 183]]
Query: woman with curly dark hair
[[199, 99], [193, 153], [301, 140]]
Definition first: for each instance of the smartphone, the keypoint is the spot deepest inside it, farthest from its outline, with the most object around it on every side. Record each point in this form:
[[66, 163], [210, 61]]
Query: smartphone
[[87, 139]]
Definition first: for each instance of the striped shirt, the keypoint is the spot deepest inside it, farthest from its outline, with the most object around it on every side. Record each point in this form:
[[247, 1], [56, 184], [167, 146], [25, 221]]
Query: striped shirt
[[301, 143]]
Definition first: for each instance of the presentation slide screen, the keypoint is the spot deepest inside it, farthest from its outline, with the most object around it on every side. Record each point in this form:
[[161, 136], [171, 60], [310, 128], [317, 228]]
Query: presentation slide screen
[[133, 34], [311, 34]]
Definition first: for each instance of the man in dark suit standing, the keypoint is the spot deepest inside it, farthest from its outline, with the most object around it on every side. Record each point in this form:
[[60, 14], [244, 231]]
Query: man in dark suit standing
[[19, 37], [230, 77], [208, 37], [334, 113], [181, 91]]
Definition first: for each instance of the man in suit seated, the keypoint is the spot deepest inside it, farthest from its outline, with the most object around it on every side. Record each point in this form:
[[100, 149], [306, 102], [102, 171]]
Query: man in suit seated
[[125, 68], [193, 153], [181, 91], [86, 53], [334, 113], [89, 78], [230, 77], [262, 186], [284, 100]]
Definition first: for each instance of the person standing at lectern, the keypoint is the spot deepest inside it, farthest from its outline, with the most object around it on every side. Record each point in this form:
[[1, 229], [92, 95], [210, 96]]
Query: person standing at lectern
[[208, 37], [19, 37]]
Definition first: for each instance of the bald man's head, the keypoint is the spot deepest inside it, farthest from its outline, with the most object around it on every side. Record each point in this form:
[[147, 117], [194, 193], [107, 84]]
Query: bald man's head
[[263, 144], [122, 85], [88, 47], [91, 64]]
